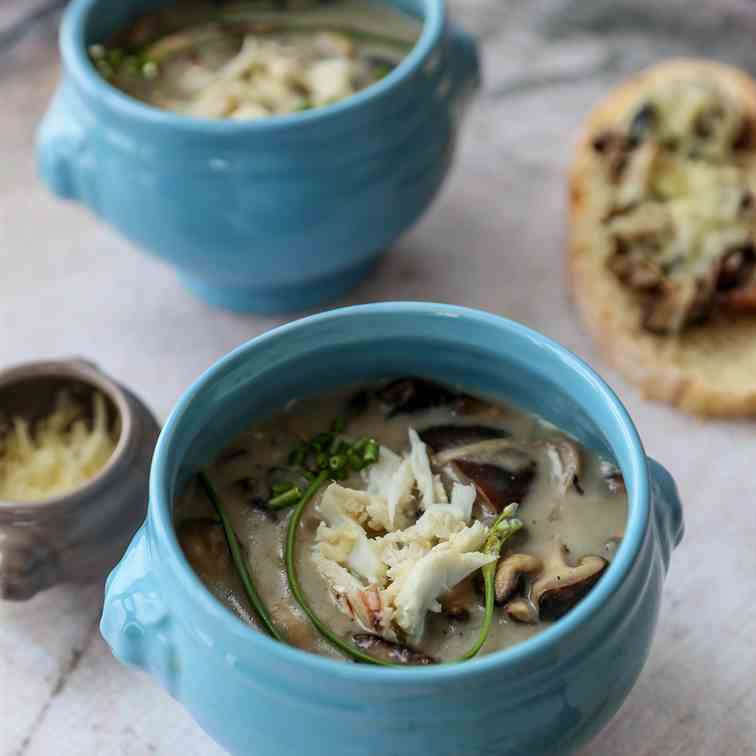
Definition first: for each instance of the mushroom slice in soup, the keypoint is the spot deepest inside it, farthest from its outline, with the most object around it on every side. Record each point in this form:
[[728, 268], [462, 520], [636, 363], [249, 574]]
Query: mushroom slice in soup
[[441, 437], [501, 470], [409, 395], [522, 610], [562, 585], [510, 572]]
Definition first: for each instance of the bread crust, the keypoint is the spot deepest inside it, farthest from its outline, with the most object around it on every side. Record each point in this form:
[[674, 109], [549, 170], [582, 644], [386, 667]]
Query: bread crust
[[708, 370]]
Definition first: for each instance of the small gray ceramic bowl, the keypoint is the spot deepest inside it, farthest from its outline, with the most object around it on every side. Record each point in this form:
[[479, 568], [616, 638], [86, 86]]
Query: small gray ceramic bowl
[[79, 536]]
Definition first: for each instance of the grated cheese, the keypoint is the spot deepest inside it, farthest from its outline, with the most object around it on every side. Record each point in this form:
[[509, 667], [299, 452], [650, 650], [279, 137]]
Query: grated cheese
[[58, 455]]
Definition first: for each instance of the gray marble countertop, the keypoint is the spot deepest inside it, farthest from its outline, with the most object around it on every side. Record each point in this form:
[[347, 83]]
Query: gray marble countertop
[[495, 240]]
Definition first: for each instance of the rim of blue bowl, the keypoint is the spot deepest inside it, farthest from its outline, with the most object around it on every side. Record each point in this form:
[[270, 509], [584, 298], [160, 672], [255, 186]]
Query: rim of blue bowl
[[75, 56], [160, 510]]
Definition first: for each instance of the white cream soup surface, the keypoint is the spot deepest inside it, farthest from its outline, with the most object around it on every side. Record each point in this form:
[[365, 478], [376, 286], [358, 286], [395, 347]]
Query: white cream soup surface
[[410, 478], [253, 59]]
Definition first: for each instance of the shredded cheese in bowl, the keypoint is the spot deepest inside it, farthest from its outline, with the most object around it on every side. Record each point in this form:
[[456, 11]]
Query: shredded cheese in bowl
[[60, 453]]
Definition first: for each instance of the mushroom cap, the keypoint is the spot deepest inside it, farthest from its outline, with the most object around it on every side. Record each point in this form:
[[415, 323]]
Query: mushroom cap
[[409, 395], [561, 586], [509, 572], [441, 437], [501, 469]]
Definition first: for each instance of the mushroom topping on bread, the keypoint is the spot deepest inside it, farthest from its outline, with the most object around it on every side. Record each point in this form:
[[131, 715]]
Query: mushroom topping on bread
[[680, 217]]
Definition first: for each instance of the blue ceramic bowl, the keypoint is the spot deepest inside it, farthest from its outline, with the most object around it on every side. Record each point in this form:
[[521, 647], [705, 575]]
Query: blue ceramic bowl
[[548, 695], [273, 215]]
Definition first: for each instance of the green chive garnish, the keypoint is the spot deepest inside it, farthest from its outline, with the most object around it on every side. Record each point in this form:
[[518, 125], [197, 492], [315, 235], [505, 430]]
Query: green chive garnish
[[285, 499], [502, 530], [239, 563], [296, 588]]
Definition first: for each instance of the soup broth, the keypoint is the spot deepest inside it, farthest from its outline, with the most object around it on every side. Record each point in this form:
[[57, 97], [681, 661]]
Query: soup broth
[[390, 557], [251, 59]]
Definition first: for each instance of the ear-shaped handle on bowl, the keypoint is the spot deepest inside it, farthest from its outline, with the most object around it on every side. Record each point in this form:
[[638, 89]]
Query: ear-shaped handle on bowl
[[667, 508], [135, 621], [27, 564], [60, 147], [464, 64]]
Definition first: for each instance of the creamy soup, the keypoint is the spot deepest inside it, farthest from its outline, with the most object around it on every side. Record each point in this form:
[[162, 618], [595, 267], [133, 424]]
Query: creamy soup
[[252, 59], [418, 507]]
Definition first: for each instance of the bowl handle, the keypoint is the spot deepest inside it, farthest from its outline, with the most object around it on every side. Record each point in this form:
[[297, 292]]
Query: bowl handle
[[464, 65], [667, 509], [61, 144], [27, 564], [135, 621]]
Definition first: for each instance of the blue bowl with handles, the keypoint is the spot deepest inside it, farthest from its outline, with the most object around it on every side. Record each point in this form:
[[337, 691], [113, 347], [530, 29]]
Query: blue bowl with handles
[[548, 695], [273, 215]]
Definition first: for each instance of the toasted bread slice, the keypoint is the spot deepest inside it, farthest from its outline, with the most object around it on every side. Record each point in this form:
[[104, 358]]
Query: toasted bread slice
[[708, 369]]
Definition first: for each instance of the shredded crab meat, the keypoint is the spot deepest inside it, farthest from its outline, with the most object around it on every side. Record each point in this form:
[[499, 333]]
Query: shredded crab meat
[[383, 572]]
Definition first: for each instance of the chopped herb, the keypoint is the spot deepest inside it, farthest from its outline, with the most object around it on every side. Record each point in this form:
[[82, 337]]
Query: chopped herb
[[286, 499]]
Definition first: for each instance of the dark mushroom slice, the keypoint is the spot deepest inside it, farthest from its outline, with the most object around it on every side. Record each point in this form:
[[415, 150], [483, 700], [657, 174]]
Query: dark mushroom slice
[[615, 149], [385, 650], [465, 405], [501, 470], [678, 304], [562, 585], [358, 403], [409, 395], [744, 138], [642, 123], [441, 437], [633, 267], [735, 268], [204, 545]]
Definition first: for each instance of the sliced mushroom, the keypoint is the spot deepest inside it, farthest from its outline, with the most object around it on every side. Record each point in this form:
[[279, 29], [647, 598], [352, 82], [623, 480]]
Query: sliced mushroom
[[561, 585], [735, 267], [634, 268], [471, 405], [511, 570], [455, 604], [522, 610], [388, 651], [678, 304], [358, 403], [441, 437], [204, 544], [742, 299], [643, 122], [501, 470], [408, 395], [613, 477], [566, 464], [615, 149]]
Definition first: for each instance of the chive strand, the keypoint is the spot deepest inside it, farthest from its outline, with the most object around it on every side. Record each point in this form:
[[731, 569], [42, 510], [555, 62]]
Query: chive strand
[[296, 588], [505, 526], [241, 567]]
